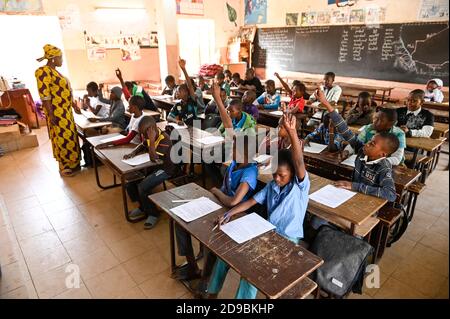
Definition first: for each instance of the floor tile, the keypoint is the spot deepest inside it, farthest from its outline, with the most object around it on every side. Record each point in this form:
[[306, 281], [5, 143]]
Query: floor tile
[[161, 286], [96, 263], [53, 282], [130, 247], [146, 266], [436, 241], [110, 284], [394, 289]]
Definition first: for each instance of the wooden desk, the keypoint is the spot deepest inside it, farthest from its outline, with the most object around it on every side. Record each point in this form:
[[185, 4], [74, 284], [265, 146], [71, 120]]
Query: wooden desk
[[164, 103], [83, 124], [154, 114], [112, 158], [254, 260], [373, 89], [22, 102]]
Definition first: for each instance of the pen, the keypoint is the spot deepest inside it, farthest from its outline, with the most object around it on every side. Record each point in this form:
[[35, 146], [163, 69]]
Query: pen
[[182, 200]]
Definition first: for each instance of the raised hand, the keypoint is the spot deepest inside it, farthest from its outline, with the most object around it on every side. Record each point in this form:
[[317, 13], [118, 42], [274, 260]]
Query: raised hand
[[215, 91], [289, 122], [182, 63], [276, 74], [119, 73]]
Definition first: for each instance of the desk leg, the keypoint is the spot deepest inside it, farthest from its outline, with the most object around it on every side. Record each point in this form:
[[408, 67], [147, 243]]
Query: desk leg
[[353, 229], [414, 160], [173, 265], [97, 177]]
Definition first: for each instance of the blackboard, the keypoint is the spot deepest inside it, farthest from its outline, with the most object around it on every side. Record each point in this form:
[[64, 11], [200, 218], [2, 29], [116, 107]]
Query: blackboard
[[410, 52]]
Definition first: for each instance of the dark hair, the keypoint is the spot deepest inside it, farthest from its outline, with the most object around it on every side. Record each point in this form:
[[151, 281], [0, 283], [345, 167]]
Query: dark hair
[[129, 84], [251, 93], [220, 76], [92, 86], [169, 78], [270, 82], [299, 85], [137, 101], [392, 142], [236, 75], [236, 103], [296, 82], [331, 75], [183, 87], [285, 158], [145, 123], [417, 94], [228, 72], [390, 114]]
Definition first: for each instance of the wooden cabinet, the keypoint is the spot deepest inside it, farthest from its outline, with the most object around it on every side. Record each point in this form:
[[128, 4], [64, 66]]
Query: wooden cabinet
[[22, 102]]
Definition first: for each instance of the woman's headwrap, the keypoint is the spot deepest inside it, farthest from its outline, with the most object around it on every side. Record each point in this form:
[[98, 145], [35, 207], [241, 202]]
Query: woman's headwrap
[[50, 52]]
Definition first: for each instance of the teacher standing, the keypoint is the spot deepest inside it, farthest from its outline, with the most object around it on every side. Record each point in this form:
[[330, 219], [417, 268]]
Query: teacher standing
[[56, 95]]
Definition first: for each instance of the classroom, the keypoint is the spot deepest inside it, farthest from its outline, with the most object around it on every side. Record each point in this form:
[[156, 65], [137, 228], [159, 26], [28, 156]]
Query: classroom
[[212, 149]]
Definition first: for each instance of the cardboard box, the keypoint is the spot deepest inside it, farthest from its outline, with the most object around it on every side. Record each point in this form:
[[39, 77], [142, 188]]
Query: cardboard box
[[28, 141], [10, 129], [12, 141]]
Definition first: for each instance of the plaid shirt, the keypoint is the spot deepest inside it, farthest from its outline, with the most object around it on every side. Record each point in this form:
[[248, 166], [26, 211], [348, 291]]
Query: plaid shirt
[[372, 178]]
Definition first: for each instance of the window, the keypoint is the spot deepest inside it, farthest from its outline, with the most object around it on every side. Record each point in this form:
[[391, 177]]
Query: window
[[196, 38]]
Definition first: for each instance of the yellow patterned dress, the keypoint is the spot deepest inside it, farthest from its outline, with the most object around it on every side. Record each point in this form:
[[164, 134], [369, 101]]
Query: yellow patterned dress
[[56, 88]]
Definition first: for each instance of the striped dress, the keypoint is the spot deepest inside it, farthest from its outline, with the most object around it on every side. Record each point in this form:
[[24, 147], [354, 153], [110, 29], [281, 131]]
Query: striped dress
[[54, 87]]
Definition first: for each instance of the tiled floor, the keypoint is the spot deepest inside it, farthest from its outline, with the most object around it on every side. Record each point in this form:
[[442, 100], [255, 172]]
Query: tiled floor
[[49, 225]]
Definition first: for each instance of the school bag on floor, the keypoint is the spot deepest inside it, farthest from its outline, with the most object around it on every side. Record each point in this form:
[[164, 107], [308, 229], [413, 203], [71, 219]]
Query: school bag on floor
[[345, 259]]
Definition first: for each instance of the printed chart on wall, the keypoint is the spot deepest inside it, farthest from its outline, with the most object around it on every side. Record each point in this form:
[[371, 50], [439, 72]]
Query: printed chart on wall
[[434, 10], [410, 52], [20, 6], [190, 7], [255, 11]]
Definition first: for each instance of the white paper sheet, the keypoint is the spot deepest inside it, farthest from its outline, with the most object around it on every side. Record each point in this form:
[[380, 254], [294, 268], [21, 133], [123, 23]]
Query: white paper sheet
[[89, 114], [112, 138], [162, 96], [195, 209], [176, 126], [350, 161], [210, 139], [331, 196], [315, 104], [315, 148], [246, 228], [263, 158], [280, 113], [137, 160]]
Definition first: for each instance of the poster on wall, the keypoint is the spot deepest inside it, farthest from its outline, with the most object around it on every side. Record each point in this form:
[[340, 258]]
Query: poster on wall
[[291, 19], [190, 7], [130, 51], [255, 12], [148, 40], [339, 17], [308, 18], [323, 17], [96, 53], [434, 10], [357, 16], [70, 18], [20, 6], [375, 15]]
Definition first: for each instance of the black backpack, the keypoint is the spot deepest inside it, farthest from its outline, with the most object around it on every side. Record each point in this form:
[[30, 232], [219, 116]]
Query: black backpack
[[345, 260], [149, 105], [212, 120]]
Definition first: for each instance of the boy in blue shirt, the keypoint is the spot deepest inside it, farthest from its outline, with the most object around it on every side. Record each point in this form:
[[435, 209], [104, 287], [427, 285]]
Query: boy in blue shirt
[[286, 200], [238, 185], [324, 134], [269, 100]]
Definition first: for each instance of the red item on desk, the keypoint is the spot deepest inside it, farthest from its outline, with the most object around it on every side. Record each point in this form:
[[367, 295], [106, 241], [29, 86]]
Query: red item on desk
[[7, 122]]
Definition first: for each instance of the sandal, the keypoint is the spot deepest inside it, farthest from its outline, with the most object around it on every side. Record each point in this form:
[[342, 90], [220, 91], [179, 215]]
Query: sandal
[[187, 273], [151, 222], [66, 172]]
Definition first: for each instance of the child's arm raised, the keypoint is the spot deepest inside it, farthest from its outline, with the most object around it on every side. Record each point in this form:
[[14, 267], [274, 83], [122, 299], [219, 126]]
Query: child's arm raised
[[182, 64], [340, 124], [226, 119], [289, 122], [284, 84]]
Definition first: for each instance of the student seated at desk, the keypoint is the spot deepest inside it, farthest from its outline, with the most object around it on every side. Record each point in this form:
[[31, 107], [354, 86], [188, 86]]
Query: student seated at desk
[[247, 104], [136, 105], [228, 76], [91, 102], [158, 144], [212, 106], [325, 135], [286, 200], [220, 80], [362, 112], [433, 91], [132, 89], [233, 118], [383, 121], [238, 185], [373, 170], [170, 85], [116, 111], [332, 93], [252, 83], [199, 97], [269, 100], [276, 143], [202, 84], [414, 120], [236, 80], [184, 111], [296, 93]]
